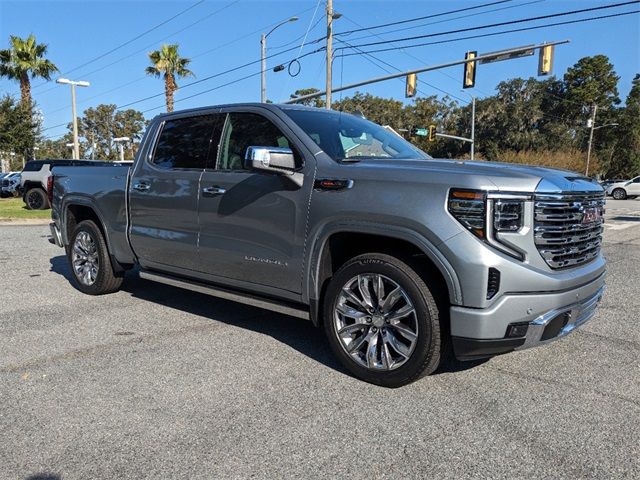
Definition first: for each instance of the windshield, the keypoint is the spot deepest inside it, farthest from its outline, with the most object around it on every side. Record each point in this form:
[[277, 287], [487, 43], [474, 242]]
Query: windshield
[[345, 137]]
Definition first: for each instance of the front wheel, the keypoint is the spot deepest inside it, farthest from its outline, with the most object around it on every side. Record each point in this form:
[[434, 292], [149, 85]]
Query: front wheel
[[619, 194], [89, 261], [382, 321]]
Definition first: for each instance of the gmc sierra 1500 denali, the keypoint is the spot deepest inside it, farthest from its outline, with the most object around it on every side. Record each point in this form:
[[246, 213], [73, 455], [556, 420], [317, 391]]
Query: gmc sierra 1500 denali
[[327, 216]]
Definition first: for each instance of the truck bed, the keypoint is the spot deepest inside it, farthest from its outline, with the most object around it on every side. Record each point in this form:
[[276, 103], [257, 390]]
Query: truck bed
[[103, 188]]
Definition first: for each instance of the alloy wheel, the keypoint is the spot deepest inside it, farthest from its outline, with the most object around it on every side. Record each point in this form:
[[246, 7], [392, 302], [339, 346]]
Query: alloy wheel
[[85, 258], [35, 200], [375, 322]]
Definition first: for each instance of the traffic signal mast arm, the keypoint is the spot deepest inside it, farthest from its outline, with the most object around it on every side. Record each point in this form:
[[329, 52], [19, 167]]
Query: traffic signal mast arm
[[425, 69]]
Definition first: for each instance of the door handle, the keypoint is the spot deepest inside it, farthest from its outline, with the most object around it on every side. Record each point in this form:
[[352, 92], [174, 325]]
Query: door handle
[[141, 187], [213, 191]]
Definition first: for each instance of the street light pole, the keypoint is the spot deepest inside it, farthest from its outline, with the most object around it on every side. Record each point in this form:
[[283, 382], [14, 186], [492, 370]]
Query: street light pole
[[263, 59], [66, 81], [329, 53], [593, 124], [121, 141]]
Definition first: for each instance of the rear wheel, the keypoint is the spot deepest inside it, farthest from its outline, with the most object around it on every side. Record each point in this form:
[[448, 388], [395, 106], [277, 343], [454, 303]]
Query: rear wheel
[[36, 199], [89, 261], [619, 194], [382, 321]]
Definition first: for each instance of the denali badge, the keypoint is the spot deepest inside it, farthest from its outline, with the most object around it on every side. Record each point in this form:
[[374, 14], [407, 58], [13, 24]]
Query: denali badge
[[591, 215]]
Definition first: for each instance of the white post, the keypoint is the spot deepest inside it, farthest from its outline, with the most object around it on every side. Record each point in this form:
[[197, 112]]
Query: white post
[[473, 128], [76, 145]]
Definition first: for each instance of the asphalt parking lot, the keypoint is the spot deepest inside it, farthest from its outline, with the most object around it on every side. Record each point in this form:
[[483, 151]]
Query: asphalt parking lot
[[157, 382]]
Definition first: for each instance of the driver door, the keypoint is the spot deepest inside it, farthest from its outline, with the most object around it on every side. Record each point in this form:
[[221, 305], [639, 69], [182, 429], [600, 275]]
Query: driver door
[[252, 224]]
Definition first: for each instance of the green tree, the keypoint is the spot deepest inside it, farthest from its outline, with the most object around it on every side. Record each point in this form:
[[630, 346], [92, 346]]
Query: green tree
[[592, 81], [18, 131], [311, 102], [54, 148], [24, 59], [100, 125], [624, 161], [168, 64]]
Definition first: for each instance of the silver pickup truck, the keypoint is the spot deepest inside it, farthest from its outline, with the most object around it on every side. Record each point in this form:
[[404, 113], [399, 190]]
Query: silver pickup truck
[[403, 260]]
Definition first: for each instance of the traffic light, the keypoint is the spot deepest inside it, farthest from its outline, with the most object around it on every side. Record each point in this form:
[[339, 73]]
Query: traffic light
[[412, 80], [545, 60], [432, 133], [469, 80]]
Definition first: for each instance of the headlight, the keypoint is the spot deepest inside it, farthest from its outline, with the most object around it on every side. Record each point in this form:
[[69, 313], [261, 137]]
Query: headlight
[[507, 215], [491, 216], [469, 208]]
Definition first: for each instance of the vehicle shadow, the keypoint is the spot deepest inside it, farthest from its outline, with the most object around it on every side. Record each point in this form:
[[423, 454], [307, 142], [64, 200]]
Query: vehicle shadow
[[298, 334]]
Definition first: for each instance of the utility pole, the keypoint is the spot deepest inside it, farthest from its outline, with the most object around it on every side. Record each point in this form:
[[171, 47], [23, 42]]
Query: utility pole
[[592, 120], [329, 51], [473, 127], [66, 81], [263, 68]]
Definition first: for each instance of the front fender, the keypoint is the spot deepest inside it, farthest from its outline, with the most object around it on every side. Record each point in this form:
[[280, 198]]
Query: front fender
[[320, 236]]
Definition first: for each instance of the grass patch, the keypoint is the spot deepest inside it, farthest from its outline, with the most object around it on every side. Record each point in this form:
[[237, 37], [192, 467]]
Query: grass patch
[[14, 209]]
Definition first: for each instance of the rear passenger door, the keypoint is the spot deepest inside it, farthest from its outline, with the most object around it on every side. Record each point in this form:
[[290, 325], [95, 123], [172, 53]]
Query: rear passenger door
[[252, 224], [634, 187], [164, 194]]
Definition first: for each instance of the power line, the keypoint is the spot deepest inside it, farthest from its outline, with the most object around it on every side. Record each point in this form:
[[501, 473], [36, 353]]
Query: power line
[[367, 55], [499, 24], [131, 40], [568, 22], [421, 18], [231, 82], [242, 37], [396, 68], [297, 39], [215, 75], [446, 20]]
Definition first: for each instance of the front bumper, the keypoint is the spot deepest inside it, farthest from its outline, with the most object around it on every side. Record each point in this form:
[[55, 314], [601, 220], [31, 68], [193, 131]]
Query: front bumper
[[479, 333]]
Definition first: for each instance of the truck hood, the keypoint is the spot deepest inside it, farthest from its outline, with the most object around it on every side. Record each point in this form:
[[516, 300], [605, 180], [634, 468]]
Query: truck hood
[[501, 176]]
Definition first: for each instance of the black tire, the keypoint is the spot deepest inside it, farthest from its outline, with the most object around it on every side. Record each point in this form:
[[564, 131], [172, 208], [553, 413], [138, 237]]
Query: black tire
[[619, 194], [36, 199], [106, 281], [428, 350]]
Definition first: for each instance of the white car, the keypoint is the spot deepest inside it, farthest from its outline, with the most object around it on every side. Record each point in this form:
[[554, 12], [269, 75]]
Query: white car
[[9, 184], [624, 190]]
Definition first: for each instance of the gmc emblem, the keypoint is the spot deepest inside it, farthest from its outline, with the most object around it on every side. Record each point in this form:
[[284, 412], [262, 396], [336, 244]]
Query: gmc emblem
[[591, 215]]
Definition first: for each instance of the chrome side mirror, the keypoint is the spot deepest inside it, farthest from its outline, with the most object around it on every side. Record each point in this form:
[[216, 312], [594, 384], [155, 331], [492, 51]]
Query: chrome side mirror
[[280, 161]]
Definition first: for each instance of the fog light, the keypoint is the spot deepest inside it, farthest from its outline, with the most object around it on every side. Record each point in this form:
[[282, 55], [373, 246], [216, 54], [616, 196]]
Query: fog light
[[517, 330]]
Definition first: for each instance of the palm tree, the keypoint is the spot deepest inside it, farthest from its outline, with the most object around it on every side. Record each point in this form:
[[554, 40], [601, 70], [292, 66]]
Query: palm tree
[[168, 63], [23, 59]]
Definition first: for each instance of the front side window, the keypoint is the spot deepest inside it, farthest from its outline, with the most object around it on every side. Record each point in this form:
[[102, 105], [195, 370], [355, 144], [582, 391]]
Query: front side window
[[184, 142], [343, 136], [243, 130]]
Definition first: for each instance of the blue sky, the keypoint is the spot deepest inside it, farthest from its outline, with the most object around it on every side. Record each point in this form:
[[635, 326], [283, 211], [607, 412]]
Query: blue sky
[[222, 34]]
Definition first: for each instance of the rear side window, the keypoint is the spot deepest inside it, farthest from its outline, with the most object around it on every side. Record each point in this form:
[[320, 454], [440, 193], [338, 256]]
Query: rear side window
[[184, 142], [32, 167]]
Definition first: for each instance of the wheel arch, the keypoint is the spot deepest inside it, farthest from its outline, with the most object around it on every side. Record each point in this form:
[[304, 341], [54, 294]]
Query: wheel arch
[[338, 243], [77, 209]]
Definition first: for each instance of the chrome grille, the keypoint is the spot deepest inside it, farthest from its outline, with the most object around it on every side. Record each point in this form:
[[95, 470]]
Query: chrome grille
[[564, 232]]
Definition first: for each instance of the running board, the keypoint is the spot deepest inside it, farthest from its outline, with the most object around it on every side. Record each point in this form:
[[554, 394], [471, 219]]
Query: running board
[[246, 298]]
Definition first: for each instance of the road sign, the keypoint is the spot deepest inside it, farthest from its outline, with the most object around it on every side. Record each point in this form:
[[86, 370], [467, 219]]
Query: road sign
[[500, 56]]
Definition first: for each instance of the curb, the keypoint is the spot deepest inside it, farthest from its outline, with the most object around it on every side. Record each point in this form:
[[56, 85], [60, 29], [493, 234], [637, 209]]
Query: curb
[[22, 222]]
